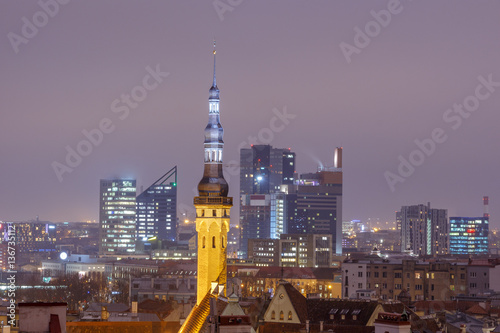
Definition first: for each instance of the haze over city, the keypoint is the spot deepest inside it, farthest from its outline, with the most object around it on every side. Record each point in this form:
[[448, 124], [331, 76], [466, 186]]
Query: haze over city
[[296, 75]]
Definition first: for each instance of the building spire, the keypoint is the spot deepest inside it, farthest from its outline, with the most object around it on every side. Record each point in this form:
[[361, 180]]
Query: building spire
[[215, 81]]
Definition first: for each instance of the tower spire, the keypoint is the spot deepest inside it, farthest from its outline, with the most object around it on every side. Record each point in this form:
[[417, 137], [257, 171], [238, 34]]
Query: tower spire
[[214, 84]]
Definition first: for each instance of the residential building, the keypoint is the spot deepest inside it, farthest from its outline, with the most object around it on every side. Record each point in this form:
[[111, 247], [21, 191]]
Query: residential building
[[424, 230]]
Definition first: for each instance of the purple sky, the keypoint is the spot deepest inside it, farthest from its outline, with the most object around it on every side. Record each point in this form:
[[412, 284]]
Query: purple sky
[[271, 56]]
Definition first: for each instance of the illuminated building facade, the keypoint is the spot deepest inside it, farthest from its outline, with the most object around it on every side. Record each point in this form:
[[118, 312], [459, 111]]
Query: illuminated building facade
[[469, 235], [157, 209], [424, 230], [117, 215]]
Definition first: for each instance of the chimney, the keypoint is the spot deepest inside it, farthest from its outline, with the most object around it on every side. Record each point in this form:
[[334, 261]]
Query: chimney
[[337, 158], [307, 326], [134, 307], [463, 328], [486, 205], [321, 326]]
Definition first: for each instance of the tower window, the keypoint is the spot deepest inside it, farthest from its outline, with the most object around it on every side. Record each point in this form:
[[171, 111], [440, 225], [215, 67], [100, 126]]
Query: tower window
[[203, 242], [223, 241], [213, 242], [214, 213]]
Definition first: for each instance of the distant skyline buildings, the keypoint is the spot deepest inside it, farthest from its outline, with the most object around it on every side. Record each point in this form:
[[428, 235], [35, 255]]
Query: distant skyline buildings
[[117, 216]]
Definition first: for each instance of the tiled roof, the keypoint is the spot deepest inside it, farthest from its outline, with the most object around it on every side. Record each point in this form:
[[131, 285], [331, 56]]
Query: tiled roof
[[298, 301], [322, 310], [476, 309]]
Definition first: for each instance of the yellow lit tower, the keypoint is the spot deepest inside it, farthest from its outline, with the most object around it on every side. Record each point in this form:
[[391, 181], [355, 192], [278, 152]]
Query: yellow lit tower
[[212, 205], [212, 219]]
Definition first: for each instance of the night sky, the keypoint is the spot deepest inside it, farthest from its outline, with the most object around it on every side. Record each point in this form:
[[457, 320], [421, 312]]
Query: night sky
[[309, 75]]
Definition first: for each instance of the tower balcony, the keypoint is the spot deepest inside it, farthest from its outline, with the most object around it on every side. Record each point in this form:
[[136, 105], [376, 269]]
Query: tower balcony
[[213, 201]]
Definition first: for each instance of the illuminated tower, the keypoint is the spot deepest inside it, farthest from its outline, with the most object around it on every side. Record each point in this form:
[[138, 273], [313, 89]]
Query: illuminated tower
[[212, 205]]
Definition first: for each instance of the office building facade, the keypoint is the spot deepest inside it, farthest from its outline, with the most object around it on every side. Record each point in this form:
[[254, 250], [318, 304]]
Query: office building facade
[[157, 209], [117, 214], [469, 235]]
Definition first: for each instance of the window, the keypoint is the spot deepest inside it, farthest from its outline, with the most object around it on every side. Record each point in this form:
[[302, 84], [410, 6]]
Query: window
[[368, 274], [432, 287], [397, 286], [203, 242], [397, 275], [222, 242], [282, 316], [213, 242], [417, 276], [360, 274], [384, 285], [273, 315], [473, 285], [473, 274], [289, 315], [214, 212], [375, 274], [462, 276], [384, 274], [418, 287], [360, 285]]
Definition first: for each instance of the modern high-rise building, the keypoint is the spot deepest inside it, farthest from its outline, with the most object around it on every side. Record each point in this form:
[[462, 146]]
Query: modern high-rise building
[[264, 170], [468, 235], [117, 213], [315, 206], [424, 230], [157, 209]]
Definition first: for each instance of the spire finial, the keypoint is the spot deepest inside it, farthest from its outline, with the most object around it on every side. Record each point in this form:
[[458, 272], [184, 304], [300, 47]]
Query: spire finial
[[215, 82]]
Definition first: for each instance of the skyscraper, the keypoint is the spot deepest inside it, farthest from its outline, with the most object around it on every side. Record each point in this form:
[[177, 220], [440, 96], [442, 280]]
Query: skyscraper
[[424, 230], [157, 209], [315, 205], [263, 170], [117, 213], [469, 235]]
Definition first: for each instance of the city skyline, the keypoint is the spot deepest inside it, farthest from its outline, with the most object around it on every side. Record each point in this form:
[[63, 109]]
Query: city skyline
[[286, 84]]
